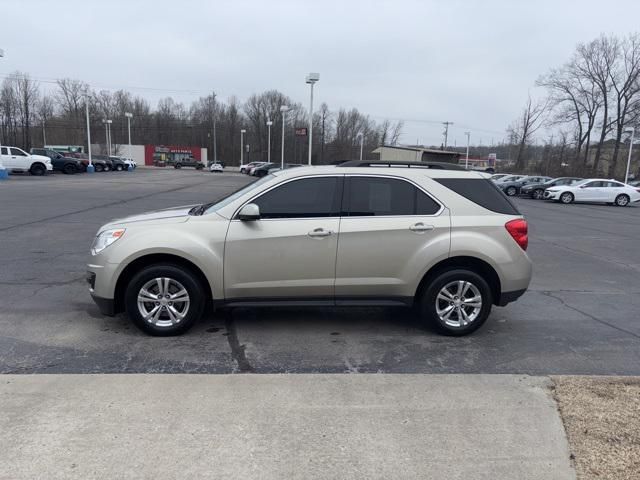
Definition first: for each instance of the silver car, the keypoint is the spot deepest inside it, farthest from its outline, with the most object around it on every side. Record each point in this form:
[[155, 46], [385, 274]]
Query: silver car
[[445, 241]]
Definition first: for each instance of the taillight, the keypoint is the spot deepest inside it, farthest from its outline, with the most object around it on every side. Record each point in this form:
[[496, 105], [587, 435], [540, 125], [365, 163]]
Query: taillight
[[519, 230]]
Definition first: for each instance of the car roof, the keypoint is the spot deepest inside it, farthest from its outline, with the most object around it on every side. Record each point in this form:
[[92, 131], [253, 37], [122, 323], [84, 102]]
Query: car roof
[[392, 171]]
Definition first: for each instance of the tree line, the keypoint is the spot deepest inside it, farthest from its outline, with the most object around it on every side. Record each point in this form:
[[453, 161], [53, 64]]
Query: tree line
[[30, 116], [590, 102]]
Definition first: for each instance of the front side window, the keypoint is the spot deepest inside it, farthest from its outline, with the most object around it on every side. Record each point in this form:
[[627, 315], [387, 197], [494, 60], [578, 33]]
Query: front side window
[[17, 151], [379, 196], [303, 198]]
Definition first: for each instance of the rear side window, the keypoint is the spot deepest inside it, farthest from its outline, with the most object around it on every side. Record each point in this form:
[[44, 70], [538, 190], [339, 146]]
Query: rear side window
[[481, 192], [380, 196]]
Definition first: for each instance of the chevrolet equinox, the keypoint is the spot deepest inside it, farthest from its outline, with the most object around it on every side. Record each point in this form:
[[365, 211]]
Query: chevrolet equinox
[[447, 242]]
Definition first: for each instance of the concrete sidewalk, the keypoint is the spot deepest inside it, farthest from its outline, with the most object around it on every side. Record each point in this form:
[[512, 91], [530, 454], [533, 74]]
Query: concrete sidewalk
[[281, 427]]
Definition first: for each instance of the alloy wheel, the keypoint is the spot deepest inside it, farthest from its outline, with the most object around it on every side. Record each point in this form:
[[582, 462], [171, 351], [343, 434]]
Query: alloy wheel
[[622, 200], [538, 194], [163, 302], [458, 303]]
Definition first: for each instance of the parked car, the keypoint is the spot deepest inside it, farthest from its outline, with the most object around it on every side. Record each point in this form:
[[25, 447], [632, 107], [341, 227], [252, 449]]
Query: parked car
[[597, 190], [60, 163], [187, 162], [498, 176], [247, 168], [119, 164], [15, 160], [98, 164], [108, 164], [275, 241], [216, 167], [263, 170], [536, 190], [509, 178], [635, 183], [512, 187]]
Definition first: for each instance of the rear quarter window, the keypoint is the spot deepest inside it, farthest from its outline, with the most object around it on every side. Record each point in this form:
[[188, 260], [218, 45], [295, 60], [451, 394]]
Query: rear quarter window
[[482, 192]]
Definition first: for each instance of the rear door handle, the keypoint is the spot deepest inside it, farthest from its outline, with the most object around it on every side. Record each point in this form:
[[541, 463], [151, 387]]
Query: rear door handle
[[420, 227], [319, 233]]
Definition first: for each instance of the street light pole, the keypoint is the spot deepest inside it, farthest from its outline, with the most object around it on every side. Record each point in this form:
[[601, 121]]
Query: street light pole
[[242, 132], [466, 163], [626, 175], [4, 173], [269, 123], [360, 134], [311, 79], [283, 109], [44, 135], [129, 115], [90, 168], [109, 122]]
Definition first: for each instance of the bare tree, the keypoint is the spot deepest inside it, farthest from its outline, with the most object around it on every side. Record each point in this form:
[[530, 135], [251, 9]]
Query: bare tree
[[522, 130]]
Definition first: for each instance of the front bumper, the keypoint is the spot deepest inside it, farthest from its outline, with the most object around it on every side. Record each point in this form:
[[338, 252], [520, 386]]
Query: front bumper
[[551, 195], [508, 297]]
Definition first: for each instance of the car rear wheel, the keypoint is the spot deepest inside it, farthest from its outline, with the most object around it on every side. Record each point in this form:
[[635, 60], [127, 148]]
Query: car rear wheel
[[177, 166], [107, 168], [38, 169], [99, 167], [511, 191], [457, 302], [538, 194], [164, 300], [566, 198], [119, 168], [69, 169], [622, 200]]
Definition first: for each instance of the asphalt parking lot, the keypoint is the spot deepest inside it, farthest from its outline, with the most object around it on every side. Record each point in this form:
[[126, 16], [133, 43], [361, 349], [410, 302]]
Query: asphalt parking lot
[[581, 315]]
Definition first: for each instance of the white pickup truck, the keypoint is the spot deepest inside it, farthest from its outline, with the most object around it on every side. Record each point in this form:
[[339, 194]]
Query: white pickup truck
[[15, 159]]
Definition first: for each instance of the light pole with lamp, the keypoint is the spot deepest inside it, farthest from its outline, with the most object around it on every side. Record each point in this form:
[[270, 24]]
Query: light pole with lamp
[[311, 79], [466, 162], [242, 132], [4, 173], [109, 122], [90, 167], [361, 135], [626, 175], [284, 109], [129, 117], [269, 123]]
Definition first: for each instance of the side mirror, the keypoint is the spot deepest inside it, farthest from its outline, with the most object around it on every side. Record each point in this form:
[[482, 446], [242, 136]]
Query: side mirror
[[249, 212]]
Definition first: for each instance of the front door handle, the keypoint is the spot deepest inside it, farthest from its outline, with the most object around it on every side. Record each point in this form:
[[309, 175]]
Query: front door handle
[[319, 233], [420, 227]]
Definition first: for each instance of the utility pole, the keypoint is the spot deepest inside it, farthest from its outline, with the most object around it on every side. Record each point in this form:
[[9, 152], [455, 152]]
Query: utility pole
[[215, 142], [466, 163], [446, 132], [44, 135]]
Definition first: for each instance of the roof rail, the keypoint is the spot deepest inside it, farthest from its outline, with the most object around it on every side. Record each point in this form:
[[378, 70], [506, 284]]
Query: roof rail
[[378, 163]]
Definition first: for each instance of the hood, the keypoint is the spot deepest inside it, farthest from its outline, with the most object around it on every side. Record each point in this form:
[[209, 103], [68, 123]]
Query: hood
[[177, 214], [42, 158]]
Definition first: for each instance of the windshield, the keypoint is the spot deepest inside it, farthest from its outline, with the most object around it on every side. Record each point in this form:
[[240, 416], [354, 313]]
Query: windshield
[[224, 201]]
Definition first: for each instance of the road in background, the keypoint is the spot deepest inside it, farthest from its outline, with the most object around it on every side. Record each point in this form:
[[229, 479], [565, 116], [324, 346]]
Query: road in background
[[580, 316]]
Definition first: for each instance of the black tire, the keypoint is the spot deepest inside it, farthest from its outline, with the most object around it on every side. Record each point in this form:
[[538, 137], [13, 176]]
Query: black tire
[[537, 194], [177, 166], [511, 191], [242, 170], [69, 169], [199, 167], [119, 168], [191, 284], [107, 168], [622, 200], [567, 198], [38, 169], [427, 302], [99, 167]]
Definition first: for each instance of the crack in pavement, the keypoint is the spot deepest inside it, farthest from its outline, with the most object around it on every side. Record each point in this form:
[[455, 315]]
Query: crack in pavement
[[592, 317], [237, 351]]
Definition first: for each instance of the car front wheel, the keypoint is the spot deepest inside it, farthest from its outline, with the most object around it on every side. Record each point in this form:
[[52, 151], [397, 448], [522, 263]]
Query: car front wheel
[[38, 169], [457, 302], [538, 194], [164, 300], [511, 191], [566, 198]]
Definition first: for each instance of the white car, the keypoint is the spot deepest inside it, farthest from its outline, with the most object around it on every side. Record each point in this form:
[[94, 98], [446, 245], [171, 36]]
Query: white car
[[216, 167], [15, 159], [597, 190]]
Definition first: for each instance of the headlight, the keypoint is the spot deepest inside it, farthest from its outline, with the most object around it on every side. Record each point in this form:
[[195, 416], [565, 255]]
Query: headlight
[[106, 238]]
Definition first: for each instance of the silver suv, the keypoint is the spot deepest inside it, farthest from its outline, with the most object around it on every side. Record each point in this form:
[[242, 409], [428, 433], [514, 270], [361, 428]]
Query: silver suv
[[447, 242]]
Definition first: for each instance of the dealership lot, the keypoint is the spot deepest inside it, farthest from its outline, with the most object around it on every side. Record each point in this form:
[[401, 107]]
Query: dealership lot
[[580, 316]]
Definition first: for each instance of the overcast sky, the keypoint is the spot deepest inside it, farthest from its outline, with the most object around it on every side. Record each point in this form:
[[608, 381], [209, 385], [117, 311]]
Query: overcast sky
[[469, 62]]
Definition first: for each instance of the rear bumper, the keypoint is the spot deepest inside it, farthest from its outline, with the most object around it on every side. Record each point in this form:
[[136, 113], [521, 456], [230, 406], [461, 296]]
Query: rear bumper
[[508, 297]]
